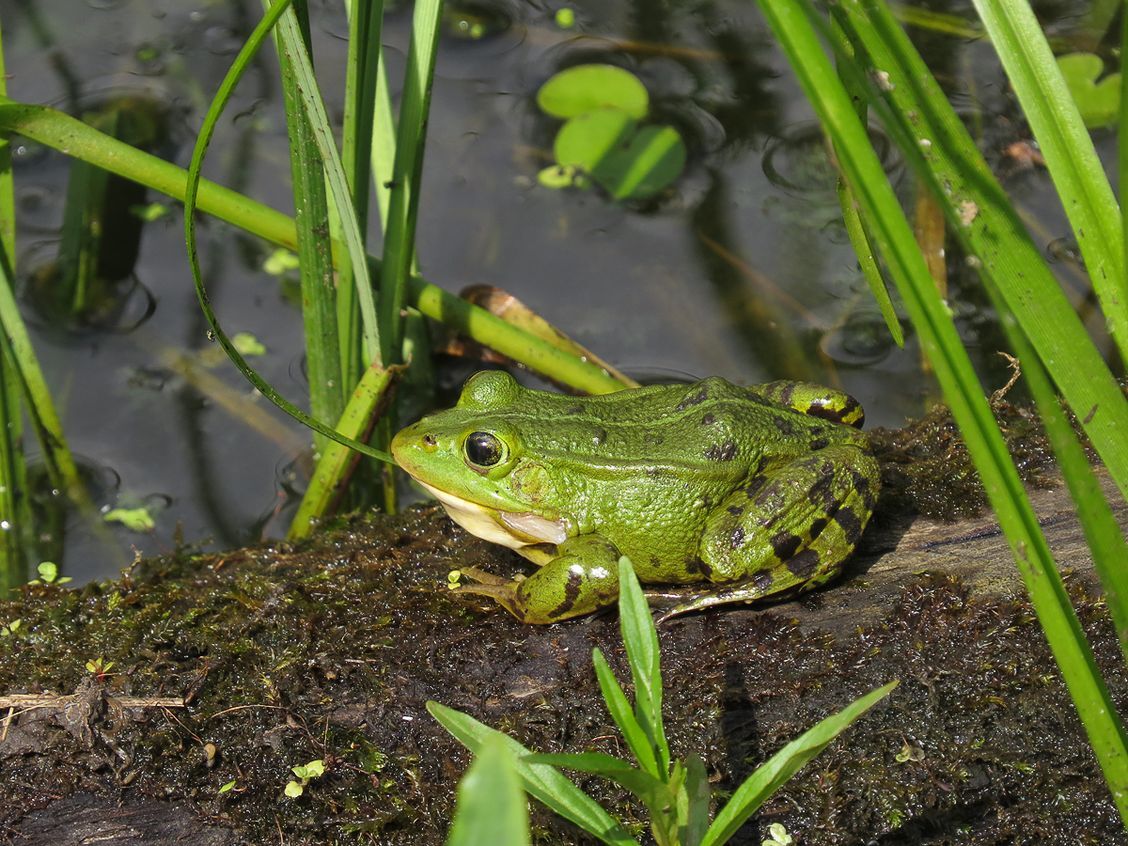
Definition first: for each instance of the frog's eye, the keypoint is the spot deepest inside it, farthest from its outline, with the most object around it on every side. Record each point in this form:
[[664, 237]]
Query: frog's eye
[[483, 449]]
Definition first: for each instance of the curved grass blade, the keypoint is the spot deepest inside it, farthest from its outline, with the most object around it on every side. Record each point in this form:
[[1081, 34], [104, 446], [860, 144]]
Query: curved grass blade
[[1072, 161], [68, 135], [776, 771], [260, 33], [544, 783], [491, 802]]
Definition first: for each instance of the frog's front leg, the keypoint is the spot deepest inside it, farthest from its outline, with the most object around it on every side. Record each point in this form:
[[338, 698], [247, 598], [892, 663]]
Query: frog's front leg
[[791, 529], [581, 578]]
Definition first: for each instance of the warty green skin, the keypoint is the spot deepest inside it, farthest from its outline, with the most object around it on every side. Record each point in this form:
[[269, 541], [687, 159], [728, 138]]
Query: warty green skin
[[749, 488]]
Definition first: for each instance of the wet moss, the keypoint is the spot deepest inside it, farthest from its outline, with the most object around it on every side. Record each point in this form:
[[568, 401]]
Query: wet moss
[[330, 650]]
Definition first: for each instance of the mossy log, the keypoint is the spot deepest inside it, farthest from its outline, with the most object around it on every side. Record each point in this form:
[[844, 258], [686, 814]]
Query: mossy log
[[230, 669]]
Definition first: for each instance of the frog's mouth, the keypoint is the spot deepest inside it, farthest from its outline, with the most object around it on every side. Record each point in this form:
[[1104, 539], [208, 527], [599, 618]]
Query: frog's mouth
[[506, 528]]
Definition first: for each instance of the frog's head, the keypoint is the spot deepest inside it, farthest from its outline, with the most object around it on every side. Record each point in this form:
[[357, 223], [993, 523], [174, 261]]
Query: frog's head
[[472, 458]]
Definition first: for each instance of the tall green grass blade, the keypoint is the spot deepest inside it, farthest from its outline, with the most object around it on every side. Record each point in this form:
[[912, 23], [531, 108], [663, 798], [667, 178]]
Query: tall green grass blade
[[544, 783], [491, 804], [323, 489], [776, 771], [403, 210], [189, 191], [327, 389], [624, 716], [792, 23], [290, 37], [697, 796], [1122, 136], [1072, 161], [365, 32], [980, 215], [14, 512], [641, 639], [642, 784], [66, 134], [1007, 264]]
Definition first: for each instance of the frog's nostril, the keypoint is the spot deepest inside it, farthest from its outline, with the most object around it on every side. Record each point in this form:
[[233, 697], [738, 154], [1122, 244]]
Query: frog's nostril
[[430, 441]]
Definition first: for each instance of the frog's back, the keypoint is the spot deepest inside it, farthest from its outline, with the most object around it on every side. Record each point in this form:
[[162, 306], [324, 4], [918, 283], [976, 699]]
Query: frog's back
[[711, 424]]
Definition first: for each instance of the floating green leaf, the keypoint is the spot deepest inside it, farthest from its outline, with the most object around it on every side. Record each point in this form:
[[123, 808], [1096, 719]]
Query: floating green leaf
[[1098, 102], [628, 161], [134, 519], [586, 88]]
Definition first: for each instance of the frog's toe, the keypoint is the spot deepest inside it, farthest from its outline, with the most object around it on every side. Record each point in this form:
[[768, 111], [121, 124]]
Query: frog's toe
[[481, 577]]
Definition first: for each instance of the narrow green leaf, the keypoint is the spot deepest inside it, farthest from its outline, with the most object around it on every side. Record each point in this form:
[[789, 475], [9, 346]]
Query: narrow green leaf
[[189, 190], [776, 771], [623, 715], [491, 805], [643, 785], [403, 210], [697, 794], [641, 640], [544, 783], [290, 37], [327, 391], [1072, 161]]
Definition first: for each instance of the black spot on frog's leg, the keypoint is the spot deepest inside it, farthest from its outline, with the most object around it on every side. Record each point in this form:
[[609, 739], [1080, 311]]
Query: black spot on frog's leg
[[803, 564], [763, 580], [737, 537], [571, 594], [866, 490], [598, 436], [851, 525], [721, 452], [693, 399], [708, 420], [819, 443], [736, 510], [787, 393], [816, 527], [784, 545]]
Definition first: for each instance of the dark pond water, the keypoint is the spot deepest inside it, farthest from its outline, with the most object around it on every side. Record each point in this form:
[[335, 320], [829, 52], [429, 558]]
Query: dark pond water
[[743, 269]]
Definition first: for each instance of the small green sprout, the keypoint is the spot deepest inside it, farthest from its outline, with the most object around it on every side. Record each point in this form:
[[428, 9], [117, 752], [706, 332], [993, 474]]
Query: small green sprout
[[49, 574], [454, 579], [247, 344], [778, 836], [305, 772], [99, 667], [280, 262], [227, 788], [149, 213], [11, 627], [134, 519]]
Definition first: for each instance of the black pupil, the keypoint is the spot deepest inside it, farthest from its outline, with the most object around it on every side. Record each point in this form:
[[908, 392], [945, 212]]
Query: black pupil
[[483, 449]]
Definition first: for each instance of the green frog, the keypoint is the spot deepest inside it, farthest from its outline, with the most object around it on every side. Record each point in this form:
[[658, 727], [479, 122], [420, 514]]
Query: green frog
[[756, 491]]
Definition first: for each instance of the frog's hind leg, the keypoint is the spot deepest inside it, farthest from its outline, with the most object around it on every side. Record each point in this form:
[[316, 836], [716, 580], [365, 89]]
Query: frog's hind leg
[[790, 531]]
